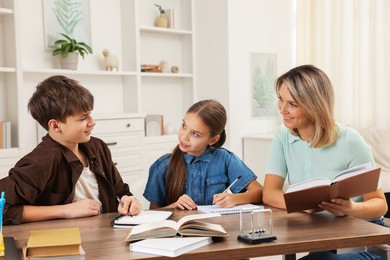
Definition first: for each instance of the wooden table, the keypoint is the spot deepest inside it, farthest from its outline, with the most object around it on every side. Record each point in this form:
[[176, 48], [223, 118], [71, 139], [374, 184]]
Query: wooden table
[[296, 232]]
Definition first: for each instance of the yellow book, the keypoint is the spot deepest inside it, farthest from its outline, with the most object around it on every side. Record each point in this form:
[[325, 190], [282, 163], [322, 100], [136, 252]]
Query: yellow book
[[53, 242], [2, 252]]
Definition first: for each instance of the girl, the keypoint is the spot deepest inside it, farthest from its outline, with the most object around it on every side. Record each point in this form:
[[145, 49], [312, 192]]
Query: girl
[[199, 170]]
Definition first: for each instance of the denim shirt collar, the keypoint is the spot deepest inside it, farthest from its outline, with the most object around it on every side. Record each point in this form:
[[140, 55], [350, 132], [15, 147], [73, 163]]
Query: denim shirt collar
[[205, 157]]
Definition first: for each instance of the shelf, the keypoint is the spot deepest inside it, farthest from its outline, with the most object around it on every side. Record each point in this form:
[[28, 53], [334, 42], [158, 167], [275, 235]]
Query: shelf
[[117, 115], [164, 30], [160, 139], [167, 75], [80, 72], [6, 11], [7, 69], [9, 152]]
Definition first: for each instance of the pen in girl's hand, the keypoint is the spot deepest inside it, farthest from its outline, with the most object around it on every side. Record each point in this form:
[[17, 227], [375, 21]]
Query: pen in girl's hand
[[226, 190], [123, 205]]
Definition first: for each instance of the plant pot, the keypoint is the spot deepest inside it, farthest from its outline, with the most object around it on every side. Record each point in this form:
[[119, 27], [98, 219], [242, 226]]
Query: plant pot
[[162, 21], [69, 62]]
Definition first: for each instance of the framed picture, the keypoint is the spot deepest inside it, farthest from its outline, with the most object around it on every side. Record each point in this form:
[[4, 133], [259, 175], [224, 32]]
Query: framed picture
[[263, 69], [70, 17]]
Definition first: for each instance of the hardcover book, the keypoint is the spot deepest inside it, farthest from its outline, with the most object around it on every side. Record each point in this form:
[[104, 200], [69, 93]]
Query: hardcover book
[[347, 184], [53, 242], [186, 226], [172, 247]]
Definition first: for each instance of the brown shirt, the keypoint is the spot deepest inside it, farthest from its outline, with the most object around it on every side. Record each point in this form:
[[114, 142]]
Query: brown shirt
[[48, 175]]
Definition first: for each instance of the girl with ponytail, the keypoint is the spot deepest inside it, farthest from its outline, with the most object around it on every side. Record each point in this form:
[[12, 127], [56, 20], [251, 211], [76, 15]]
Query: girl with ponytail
[[199, 170]]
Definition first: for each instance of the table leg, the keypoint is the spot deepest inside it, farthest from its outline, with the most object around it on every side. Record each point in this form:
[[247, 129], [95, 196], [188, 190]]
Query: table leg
[[290, 257]]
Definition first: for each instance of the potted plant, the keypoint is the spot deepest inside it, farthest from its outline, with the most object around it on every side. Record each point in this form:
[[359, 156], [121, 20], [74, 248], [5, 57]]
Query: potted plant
[[69, 49], [161, 20]]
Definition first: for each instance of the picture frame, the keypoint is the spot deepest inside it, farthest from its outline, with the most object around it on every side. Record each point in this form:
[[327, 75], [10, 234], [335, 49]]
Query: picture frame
[[70, 17], [263, 72], [154, 125]]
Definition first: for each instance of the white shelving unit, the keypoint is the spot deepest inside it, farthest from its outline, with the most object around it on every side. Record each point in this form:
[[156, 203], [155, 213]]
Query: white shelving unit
[[127, 28], [10, 102]]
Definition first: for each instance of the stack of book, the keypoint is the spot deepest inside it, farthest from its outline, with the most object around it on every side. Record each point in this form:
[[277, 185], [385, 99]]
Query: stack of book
[[171, 238], [59, 243], [186, 226], [150, 68], [5, 134]]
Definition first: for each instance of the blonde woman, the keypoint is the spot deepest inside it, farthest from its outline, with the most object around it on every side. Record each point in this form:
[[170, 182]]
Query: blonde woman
[[311, 144]]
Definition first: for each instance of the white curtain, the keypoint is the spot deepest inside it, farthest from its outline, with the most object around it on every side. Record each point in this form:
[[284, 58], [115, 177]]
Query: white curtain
[[350, 41]]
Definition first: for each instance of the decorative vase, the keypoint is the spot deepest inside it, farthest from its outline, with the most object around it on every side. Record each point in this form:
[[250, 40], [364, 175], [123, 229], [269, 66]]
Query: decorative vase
[[70, 61], [162, 21]]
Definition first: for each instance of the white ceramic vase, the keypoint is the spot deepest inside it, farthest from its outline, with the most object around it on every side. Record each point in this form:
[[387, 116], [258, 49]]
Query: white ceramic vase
[[69, 62]]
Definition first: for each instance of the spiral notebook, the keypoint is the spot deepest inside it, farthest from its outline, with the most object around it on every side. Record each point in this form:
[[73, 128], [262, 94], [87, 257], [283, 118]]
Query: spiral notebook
[[227, 211]]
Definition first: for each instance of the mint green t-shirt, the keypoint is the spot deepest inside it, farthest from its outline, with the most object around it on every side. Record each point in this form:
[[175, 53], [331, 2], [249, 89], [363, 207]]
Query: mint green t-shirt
[[294, 159]]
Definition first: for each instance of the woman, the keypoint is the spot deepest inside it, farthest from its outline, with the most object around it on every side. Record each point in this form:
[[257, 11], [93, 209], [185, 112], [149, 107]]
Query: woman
[[311, 144]]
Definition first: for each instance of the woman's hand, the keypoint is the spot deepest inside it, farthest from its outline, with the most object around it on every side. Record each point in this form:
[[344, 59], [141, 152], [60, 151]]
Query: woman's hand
[[338, 207]]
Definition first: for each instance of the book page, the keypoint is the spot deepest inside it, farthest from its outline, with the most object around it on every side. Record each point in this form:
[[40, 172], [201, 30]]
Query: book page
[[153, 226], [197, 228], [189, 218], [352, 172], [156, 229], [321, 181]]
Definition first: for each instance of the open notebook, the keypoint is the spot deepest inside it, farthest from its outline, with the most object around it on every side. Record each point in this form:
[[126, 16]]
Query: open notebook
[[226, 211], [147, 216]]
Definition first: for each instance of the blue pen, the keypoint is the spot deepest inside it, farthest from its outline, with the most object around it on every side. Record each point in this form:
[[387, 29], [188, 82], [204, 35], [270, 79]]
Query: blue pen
[[2, 203]]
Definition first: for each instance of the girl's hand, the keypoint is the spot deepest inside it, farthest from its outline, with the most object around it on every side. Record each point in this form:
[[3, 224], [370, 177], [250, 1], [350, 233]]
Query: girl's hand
[[338, 207], [185, 202], [225, 200]]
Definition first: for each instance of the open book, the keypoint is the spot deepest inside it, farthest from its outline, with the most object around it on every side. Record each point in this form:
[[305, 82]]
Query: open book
[[186, 226], [347, 184]]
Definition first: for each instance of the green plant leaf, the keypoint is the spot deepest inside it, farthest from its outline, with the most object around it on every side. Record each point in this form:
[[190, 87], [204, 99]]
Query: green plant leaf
[[67, 45]]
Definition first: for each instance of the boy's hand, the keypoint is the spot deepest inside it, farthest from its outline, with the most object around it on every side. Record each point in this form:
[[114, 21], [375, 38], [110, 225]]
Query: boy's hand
[[131, 206], [185, 202], [82, 208]]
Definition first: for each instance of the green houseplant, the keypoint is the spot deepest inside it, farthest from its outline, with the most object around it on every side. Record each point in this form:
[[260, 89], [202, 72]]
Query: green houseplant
[[68, 49]]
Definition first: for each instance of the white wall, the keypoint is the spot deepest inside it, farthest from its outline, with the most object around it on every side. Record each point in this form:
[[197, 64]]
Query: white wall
[[227, 32], [211, 52]]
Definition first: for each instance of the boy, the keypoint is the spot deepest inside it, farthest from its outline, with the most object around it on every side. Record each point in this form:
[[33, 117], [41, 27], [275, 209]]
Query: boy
[[69, 174]]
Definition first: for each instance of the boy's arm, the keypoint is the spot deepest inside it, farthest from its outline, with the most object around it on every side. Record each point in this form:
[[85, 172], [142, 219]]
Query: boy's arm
[[82, 208]]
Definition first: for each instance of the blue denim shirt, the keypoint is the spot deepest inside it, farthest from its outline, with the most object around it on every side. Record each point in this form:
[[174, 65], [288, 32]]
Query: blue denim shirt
[[208, 174]]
